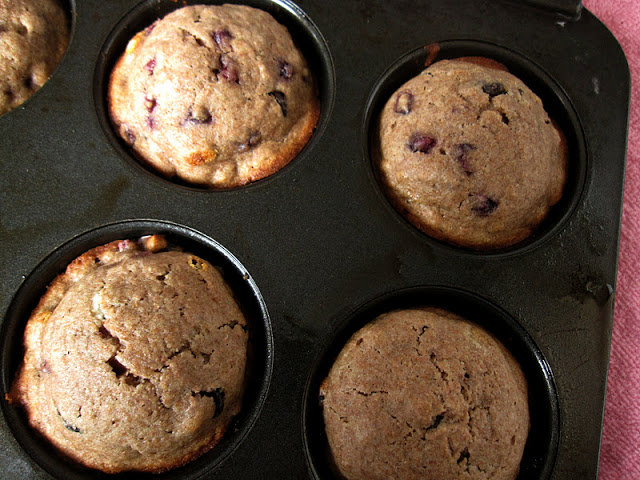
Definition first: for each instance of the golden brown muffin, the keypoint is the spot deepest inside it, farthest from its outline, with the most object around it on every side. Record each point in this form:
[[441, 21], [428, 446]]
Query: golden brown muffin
[[33, 37], [423, 394], [214, 95], [134, 360], [468, 154]]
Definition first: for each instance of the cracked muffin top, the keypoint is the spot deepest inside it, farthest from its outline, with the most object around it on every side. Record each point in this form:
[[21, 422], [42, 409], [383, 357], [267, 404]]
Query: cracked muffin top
[[424, 394], [468, 154], [134, 358], [214, 95], [33, 38]]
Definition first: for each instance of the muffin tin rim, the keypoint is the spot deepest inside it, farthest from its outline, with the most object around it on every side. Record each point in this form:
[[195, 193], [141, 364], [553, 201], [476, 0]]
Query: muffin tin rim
[[323, 71], [350, 322], [37, 449], [578, 160]]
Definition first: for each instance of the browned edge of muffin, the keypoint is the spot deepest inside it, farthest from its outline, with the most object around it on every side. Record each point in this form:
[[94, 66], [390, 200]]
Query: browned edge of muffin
[[415, 220]]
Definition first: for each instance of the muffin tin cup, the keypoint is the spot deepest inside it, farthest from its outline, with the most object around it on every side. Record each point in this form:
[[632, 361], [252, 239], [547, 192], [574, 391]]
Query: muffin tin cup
[[304, 32], [554, 99], [542, 443], [245, 290], [319, 237]]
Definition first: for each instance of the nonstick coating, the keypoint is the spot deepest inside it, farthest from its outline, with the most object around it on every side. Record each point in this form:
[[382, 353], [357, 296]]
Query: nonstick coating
[[317, 249]]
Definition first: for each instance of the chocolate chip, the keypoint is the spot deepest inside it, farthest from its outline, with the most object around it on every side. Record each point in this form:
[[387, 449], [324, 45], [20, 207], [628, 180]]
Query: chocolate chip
[[494, 89], [404, 103], [281, 98], [483, 205], [286, 69], [462, 156], [421, 143]]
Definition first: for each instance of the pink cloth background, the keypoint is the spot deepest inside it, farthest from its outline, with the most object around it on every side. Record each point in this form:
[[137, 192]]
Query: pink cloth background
[[620, 453]]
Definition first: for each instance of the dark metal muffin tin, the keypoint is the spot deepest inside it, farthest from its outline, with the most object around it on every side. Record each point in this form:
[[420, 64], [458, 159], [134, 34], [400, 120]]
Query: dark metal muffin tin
[[316, 251]]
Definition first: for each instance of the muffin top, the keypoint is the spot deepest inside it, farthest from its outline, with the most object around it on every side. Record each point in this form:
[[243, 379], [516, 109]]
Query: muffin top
[[33, 37], [214, 95], [424, 394], [468, 154], [134, 360]]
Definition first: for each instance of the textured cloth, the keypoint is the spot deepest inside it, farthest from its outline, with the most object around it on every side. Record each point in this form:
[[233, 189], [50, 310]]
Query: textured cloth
[[620, 453]]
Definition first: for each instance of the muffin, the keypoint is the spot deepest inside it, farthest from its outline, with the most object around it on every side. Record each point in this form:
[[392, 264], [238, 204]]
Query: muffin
[[33, 37], [214, 95], [135, 358], [424, 394], [468, 154]]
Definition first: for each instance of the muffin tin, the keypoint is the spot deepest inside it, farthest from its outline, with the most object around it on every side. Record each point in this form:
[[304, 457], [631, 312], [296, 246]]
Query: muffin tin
[[315, 251]]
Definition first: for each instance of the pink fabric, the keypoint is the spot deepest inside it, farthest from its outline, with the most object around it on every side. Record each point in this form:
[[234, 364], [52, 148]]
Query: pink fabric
[[620, 453]]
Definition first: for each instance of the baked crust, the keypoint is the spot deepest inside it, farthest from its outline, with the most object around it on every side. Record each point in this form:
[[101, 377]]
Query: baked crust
[[217, 96], [135, 358], [33, 38], [424, 394], [466, 152]]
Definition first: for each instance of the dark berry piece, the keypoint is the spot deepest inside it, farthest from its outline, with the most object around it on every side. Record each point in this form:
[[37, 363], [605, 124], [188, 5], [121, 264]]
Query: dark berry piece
[[150, 66], [421, 143], [129, 136], [150, 103], [150, 28], [483, 205], [281, 98], [252, 141], [494, 89], [223, 40], [229, 71], [286, 69], [151, 122], [404, 103], [200, 116], [462, 156]]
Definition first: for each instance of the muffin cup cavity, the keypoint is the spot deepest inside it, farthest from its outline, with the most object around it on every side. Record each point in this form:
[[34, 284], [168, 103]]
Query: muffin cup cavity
[[540, 450], [555, 101], [246, 292], [306, 37]]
